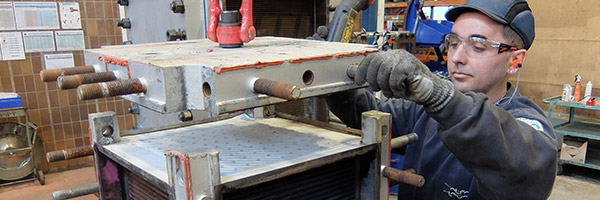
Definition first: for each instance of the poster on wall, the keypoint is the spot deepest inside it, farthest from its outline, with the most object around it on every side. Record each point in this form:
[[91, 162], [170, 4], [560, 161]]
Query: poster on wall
[[69, 40], [11, 46], [40, 41], [36, 15], [70, 16], [62, 60], [7, 16]]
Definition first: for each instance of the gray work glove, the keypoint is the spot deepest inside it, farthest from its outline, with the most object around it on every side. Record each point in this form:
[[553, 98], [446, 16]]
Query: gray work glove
[[399, 74], [321, 34]]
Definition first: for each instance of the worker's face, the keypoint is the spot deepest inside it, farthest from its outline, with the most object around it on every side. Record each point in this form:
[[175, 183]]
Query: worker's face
[[470, 69]]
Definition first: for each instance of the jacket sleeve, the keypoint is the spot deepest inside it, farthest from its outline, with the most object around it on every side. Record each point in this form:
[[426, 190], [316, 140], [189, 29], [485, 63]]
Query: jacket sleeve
[[509, 158]]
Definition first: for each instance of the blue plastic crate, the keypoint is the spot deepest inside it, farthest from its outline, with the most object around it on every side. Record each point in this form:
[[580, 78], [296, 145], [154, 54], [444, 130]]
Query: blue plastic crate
[[13, 102]]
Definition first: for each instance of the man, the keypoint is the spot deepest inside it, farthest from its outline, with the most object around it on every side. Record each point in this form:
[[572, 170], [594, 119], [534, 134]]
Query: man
[[478, 137]]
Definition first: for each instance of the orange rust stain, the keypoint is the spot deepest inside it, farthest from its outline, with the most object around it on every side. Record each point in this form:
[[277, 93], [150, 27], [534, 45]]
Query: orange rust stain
[[356, 53], [300, 60], [257, 65], [116, 61]]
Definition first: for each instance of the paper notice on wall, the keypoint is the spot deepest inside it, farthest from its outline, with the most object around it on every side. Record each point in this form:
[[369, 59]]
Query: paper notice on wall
[[53, 61], [11, 46], [36, 15], [69, 40], [7, 16], [70, 17], [38, 41]]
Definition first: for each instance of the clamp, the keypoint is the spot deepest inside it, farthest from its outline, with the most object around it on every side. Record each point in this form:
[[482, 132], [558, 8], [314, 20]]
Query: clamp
[[229, 32]]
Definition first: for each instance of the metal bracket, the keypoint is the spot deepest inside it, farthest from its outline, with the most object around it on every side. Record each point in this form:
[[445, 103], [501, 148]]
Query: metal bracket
[[104, 128], [376, 129], [193, 176]]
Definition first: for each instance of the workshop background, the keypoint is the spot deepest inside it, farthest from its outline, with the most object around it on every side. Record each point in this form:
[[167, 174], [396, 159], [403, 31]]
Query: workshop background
[[566, 44], [62, 118]]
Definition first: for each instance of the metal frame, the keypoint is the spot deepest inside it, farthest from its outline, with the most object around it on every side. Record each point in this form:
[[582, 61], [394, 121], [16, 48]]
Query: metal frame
[[207, 168]]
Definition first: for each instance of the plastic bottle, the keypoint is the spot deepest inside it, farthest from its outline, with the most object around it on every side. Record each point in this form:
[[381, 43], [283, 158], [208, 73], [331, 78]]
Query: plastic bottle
[[588, 90], [577, 89]]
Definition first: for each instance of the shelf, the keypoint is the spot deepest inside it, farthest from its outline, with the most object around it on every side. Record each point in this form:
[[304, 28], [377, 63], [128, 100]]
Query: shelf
[[556, 100], [592, 159], [577, 129], [427, 3], [583, 130]]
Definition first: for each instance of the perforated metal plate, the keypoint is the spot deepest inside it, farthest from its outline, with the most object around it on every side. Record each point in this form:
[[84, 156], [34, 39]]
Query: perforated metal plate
[[246, 146]]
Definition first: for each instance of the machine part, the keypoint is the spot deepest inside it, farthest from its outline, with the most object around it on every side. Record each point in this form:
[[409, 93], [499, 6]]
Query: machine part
[[351, 71], [404, 40], [404, 140], [17, 158], [266, 155], [123, 2], [340, 27], [376, 129], [76, 192], [229, 32], [49, 75], [134, 109], [66, 154], [325, 125], [41, 178], [73, 81], [185, 116], [400, 176], [110, 89], [177, 6], [276, 89], [174, 35], [124, 23], [104, 128], [228, 29], [193, 175], [217, 81]]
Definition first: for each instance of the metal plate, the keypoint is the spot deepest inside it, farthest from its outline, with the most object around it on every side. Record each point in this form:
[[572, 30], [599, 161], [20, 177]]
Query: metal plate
[[247, 147], [199, 75]]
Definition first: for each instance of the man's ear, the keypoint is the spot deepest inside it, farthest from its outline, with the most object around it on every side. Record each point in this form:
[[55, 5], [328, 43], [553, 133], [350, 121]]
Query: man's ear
[[516, 59]]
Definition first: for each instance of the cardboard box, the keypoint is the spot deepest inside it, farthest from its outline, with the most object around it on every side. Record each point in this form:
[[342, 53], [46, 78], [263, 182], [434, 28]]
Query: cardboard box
[[574, 149]]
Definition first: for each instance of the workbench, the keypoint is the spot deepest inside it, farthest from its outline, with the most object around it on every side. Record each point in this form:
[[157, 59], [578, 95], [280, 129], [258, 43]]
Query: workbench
[[570, 127]]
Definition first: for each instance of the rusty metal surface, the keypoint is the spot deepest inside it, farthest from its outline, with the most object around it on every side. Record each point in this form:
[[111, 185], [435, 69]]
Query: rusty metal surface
[[401, 176], [276, 89], [110, 89], [72, 81], [247, 147], [53, 74], [66, 154], [199, 75]]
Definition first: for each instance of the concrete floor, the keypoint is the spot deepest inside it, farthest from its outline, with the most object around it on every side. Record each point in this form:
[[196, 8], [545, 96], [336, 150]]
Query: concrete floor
[[575, 183]]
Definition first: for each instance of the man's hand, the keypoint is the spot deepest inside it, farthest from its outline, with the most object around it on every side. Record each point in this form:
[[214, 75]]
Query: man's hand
[[321, 34], [399, 74]]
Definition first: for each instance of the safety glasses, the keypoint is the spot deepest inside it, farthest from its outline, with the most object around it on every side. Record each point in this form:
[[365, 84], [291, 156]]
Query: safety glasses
[[476, 46]]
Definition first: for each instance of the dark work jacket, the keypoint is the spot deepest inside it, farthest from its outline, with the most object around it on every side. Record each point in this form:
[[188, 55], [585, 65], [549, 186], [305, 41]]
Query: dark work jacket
[[471, 149]]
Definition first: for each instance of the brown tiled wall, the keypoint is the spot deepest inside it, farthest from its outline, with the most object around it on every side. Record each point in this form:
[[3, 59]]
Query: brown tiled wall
[[62, 118]]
